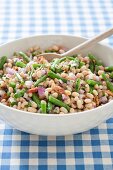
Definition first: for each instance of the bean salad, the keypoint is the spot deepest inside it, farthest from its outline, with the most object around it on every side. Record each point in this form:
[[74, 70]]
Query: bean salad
[[70, 84]]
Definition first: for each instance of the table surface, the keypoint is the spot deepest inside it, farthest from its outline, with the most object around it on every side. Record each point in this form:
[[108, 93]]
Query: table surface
[[90, 150]]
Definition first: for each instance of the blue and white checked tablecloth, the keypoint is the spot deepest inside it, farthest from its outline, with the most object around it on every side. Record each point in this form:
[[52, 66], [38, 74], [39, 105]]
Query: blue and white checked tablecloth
[[92, 150]]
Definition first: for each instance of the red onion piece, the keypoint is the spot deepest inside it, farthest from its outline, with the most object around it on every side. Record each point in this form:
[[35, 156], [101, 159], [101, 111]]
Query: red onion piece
[[29, 83], [97, 78], [8, 75], [41, 92], [22, 70], [68, 82], [72, 76], [43, 72], [64, 97], [30, 63], [17, 59], [10, 71], [104, 99], [81, 91], [60, 81]]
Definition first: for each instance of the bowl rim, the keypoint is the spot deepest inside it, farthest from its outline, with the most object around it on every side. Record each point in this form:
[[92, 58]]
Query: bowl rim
[[56, 115]]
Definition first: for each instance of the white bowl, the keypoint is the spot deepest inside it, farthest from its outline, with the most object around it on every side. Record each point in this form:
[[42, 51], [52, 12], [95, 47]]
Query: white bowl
[[50, 124]]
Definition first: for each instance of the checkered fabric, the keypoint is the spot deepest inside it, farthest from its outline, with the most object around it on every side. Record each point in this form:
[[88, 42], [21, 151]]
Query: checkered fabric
[[92, 150]]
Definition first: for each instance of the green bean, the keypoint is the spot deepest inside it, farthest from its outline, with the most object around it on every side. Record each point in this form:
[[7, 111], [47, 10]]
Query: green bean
[[49, 107], [81, 64], [95, 60], [50, 51], [29, 104], [25, 57], [74, 55], [75, 60], [92, 66], [92, 82], [12, 84], [64, 58], [43, 106], [91, 89], [53, 76], [35, 65], [77, 85], [59, 97], [43, 78], [14, 90], [19, 78], [19, 94], [2, 61], [36, 99], [67, 57], [111, 75], [110, 68], [20, 64], [109, 85], [31, 73], [104, 76], [37, 52], [92, 57], [58, 70], [8, 94], [97, 68], [58, 102], [13, 103], [15, 54], [53, 64]]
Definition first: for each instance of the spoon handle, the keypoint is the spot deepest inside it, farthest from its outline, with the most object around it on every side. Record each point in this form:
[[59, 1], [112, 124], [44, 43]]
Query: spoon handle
[[89, 43]]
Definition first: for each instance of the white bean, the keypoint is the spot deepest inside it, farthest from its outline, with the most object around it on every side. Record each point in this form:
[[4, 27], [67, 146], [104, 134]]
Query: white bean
[[63, 109], [87, 100], [95, 92], [79, 104], [75, 94], [90, 95]]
